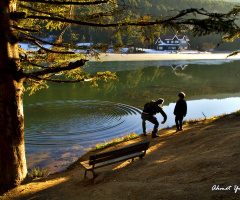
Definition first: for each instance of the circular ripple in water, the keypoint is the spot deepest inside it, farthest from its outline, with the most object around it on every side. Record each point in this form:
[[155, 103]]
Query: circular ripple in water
[[86, 123]]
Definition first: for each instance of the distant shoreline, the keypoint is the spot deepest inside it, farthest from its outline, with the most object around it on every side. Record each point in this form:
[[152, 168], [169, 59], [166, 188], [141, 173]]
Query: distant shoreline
[[163, 56]]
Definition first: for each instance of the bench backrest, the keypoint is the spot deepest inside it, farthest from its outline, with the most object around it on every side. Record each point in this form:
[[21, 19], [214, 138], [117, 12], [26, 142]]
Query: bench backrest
[[101, 157]]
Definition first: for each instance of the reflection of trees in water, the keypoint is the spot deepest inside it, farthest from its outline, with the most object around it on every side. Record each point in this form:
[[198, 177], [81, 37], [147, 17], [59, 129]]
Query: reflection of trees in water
[[145, 74], [135, 87], [154, 82]]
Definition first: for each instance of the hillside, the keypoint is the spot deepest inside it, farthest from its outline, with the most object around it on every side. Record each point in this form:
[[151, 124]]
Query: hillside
[[197, 163], [156, 9]]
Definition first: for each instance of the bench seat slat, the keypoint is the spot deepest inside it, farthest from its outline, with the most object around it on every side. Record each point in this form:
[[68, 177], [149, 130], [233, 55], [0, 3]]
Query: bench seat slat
[[86, 165], [102, 157], [139, 145], [109, 162], [124, 158]]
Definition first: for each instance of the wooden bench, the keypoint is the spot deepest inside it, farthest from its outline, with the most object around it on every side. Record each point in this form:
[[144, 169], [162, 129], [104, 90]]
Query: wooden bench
[[114, 156]]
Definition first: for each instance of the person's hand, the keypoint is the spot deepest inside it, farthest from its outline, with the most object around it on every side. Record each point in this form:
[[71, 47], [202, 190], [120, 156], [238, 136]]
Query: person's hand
[[162, 122]]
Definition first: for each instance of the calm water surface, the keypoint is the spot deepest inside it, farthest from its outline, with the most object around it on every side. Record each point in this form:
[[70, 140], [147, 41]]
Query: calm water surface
[[63, 121]]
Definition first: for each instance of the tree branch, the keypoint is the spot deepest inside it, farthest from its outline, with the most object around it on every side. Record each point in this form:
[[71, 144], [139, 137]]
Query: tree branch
[[24, 29], [71, 66], [34, 64], [104, 75], [143, 23], [52, 51], [32, 39], [67, 2], [32, 77], [86, 17], [35, 10]]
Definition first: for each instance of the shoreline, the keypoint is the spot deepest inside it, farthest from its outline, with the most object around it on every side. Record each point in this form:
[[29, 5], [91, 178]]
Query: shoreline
[[162, 56], [202, 156]]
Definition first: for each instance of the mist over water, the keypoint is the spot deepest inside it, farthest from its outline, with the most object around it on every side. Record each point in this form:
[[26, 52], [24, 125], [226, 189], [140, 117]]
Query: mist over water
[[62, 122]]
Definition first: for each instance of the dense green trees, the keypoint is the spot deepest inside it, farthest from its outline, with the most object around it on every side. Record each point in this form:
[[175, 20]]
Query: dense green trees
[[32, 20], [154, 8]]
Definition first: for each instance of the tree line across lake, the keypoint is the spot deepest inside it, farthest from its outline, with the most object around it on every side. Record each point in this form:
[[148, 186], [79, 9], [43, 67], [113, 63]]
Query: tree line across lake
[[156, 8]]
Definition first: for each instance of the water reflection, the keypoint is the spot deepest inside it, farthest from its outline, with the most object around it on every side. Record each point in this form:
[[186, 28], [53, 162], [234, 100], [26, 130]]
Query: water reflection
[[63, 121], [182, 67]]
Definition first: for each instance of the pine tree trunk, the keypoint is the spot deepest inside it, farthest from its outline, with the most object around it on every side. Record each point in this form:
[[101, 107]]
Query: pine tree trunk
[[13, 168]]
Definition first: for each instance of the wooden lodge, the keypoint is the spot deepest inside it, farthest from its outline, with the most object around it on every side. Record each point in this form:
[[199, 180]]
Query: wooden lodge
[[172, 43]]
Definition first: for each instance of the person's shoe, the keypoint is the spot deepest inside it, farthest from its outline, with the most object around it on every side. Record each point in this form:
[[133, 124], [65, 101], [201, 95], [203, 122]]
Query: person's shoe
[[154, 136]]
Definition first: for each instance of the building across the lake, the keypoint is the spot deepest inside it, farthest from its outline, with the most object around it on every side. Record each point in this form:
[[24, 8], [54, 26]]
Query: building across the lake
[[172, 43]]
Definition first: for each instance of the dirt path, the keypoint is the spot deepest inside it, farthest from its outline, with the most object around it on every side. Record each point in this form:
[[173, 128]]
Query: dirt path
[[197, 163]]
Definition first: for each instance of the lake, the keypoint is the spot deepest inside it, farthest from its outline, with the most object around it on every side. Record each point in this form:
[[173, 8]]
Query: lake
[[62, 122]]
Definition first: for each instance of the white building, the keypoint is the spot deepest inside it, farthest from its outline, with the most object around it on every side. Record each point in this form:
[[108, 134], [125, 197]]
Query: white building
[[172, 43]]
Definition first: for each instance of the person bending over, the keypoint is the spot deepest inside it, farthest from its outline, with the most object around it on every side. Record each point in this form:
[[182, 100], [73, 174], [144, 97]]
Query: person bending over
[[150, 110]]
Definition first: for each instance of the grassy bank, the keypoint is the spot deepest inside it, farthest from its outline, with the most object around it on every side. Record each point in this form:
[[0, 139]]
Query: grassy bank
[[133, 136]]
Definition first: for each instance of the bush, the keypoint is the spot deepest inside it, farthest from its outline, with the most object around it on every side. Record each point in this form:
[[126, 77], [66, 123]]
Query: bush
[[37, 172]]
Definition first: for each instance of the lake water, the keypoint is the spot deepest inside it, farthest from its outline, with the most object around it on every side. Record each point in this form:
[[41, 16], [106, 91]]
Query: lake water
[[62, 122]]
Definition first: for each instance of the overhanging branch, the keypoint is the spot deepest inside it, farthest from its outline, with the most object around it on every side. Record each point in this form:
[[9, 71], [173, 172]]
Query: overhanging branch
[[104, 75], [24, 29], [68, 2], [52, 51], [36, 78], [177, 19], [71, 66], [86, 17], [31, 38], [34, 40], [36, 10]]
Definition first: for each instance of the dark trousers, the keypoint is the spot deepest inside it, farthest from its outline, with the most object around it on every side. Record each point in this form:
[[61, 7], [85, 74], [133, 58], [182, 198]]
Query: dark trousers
[[152, 119], [179, 122]]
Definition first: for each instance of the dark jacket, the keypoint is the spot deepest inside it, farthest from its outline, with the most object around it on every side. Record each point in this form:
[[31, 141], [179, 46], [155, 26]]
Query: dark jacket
[[152, 108], [180, 108]]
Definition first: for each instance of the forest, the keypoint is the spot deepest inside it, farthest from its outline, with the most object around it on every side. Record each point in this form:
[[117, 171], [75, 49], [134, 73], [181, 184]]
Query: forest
[[154, 9]]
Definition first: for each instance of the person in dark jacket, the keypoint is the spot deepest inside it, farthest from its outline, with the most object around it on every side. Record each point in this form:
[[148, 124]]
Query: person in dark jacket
[[180, 111], [151, 109]]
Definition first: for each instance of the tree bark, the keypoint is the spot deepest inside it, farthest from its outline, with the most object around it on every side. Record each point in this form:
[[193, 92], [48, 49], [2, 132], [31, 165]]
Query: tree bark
[[13, 168]]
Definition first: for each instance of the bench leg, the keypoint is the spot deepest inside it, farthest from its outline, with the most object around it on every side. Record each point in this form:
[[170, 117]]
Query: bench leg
[[94, 175], [85, 174]]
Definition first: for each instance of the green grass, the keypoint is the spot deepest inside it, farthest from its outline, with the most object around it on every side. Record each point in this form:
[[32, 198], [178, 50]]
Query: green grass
[[192, 121], [37, 172], [237, 113], [108, 144], [115, 141]]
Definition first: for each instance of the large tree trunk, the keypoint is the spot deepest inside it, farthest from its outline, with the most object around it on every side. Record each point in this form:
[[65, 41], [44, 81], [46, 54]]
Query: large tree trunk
[[13, 168]]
